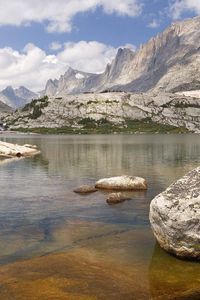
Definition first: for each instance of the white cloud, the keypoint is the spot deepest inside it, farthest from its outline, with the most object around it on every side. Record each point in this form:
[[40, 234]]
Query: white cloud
[[33, 67], [55, 46], [178, 7], [58, 15], [87, 56], [154, 24]]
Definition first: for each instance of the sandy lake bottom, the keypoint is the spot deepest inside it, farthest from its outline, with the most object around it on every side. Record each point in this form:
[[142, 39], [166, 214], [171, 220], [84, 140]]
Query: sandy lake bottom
[[55, 244]]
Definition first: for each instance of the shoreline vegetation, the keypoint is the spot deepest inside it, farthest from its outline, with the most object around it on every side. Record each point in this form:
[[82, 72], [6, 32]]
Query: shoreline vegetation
[[103, 126]]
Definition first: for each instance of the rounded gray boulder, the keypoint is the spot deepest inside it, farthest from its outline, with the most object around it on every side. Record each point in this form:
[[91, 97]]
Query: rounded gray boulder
[[85, 189], [175, 217], [115, 198]]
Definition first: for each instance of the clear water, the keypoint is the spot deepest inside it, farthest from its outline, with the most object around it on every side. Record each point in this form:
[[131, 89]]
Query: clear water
[[40, 214]]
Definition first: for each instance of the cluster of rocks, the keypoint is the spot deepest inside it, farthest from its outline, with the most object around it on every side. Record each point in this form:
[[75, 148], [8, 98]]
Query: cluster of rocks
[[174, 214], [118, 183]]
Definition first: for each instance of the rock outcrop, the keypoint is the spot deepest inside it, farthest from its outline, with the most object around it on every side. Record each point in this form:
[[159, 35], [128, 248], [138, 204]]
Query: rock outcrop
[[124, 182], [75, 111], [175, 217], [9, 150]]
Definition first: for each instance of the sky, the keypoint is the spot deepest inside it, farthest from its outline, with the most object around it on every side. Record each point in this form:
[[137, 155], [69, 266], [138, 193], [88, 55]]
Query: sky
[[41, 39]]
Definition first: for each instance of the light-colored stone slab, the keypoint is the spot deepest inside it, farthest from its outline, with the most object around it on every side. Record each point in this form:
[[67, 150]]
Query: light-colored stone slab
[[14, 150], [123, 182]]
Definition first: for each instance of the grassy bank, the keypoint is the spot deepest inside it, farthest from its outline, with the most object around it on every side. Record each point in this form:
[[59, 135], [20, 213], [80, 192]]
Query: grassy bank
[[89, 126]]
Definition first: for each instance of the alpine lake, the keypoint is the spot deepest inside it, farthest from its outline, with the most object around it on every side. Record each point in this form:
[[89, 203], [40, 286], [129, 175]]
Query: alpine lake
[[58, 245]]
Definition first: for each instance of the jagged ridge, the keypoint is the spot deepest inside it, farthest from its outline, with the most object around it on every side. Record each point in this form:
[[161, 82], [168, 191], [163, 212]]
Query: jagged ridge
[[169, 62]]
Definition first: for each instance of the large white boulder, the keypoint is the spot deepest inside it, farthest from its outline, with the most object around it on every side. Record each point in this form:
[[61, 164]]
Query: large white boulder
[[14, 150], [175, 216], [123, 182]]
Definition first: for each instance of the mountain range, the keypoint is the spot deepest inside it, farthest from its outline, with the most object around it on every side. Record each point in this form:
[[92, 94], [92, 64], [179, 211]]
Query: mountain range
[[158, 83], [169, 62], [17, 97]]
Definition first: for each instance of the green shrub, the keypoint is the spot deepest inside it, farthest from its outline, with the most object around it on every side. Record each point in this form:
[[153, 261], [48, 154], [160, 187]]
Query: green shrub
[[36, 106], [36, 112]]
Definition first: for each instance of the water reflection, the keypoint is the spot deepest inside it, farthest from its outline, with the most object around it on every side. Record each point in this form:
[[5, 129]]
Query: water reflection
[[40, 214], [106, 155]]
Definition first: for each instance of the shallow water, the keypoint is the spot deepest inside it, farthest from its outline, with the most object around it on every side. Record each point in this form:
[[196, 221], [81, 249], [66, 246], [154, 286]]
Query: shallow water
[[40, 216]]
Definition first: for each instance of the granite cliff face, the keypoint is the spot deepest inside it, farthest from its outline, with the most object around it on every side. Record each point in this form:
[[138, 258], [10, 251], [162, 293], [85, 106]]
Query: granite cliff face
[[168, 62], [116, 108], [17, 97], [75, 82]]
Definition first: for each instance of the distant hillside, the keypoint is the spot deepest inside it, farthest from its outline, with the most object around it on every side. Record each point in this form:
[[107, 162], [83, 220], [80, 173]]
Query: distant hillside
[[110, 112]]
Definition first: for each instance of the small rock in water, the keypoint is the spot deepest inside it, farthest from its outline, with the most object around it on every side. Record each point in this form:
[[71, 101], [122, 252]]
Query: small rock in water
[[123, 182], [85, 189], [175, 217], [115, 198]]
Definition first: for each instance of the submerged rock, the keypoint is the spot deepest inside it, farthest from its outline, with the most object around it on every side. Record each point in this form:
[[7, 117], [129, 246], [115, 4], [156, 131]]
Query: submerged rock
[[115, 198], [123, 182], [9, 150], [171, 278], [85, 189], [175, 217]]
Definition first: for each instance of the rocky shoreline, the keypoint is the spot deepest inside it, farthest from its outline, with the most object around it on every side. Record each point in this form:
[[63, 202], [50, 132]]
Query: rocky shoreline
[[108, 113]]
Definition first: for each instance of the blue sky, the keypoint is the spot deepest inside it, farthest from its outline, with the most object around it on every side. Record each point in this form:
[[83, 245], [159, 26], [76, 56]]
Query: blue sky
[[96, 25], [40, 39]]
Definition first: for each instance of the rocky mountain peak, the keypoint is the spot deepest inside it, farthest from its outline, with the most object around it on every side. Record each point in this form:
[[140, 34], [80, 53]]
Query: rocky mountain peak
[[51, 87], [8, 89], [169, 62], [70, 72], [16, 97], [8, 92], [25, 93]]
